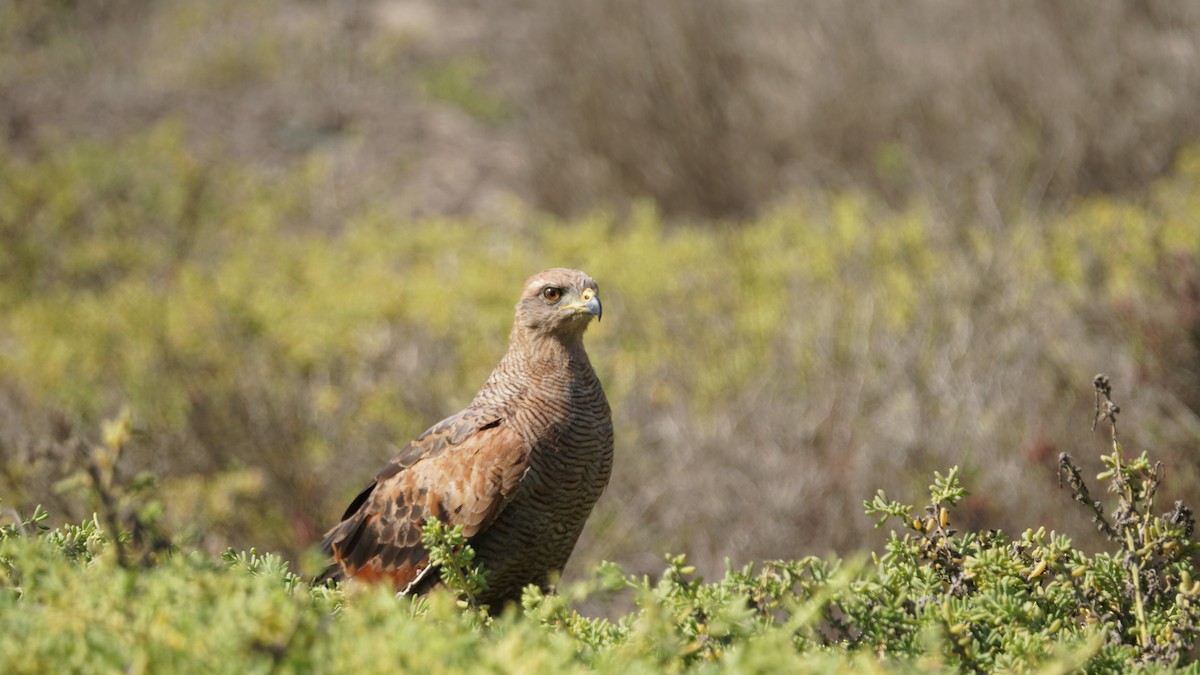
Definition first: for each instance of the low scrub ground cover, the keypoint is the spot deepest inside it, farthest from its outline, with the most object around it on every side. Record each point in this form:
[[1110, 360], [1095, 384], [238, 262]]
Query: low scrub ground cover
[[100, 599]]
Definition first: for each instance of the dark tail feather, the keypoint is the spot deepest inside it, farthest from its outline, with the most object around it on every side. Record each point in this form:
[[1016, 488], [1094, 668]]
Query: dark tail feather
[[332, 573], [335, 572]]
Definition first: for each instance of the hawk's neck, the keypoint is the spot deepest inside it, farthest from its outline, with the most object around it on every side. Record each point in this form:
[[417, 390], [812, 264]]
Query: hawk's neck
[[538, 367]]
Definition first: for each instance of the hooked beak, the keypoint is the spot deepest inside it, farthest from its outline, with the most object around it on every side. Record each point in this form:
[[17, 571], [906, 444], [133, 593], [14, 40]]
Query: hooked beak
[[589, 303], [592, 305]]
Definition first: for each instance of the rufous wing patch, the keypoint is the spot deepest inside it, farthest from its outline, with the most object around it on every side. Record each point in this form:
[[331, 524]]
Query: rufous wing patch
[[461, 477]]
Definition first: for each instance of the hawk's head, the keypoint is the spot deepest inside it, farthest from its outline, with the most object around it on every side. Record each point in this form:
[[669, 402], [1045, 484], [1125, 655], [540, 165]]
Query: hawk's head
[[559, 302]]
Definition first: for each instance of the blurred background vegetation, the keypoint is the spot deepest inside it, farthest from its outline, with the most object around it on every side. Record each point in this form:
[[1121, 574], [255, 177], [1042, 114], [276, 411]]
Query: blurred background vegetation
[[840, 246]]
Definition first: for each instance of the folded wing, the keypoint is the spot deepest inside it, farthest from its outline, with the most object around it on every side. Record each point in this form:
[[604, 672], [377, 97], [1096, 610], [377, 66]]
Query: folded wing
[[462, 471]]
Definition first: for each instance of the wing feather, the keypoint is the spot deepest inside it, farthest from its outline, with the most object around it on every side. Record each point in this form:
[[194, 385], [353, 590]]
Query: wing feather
[[462, 472]]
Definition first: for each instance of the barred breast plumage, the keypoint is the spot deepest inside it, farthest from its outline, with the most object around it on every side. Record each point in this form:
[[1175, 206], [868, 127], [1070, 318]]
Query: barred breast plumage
[[520, 468]]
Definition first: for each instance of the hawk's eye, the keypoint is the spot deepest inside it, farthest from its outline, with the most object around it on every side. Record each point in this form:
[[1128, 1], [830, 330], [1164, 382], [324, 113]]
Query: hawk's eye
[[551, 294]]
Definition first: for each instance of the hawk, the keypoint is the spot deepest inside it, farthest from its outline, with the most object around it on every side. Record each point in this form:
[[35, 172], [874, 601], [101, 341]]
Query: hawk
[[520, 468]]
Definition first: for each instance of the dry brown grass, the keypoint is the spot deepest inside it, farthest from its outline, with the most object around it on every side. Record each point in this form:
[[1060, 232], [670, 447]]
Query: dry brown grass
[[715, 108]]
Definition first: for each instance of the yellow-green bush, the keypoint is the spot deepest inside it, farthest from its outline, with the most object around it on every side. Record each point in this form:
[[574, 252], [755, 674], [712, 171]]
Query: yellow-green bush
[[936, 599], [802, 360]]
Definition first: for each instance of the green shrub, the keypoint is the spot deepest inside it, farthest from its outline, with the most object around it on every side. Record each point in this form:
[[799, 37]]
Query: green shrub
[[271, 360], [935, 599]]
